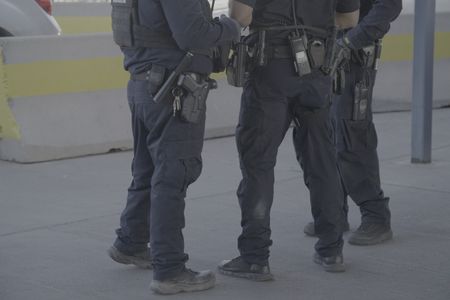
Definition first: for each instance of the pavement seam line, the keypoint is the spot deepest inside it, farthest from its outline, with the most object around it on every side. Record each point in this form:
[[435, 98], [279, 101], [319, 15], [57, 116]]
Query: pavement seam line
[[49, 227], [408, 155], [416, 188]]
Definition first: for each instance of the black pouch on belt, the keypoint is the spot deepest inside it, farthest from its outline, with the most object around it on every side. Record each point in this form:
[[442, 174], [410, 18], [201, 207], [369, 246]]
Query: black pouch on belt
[[317, 53], [193, 105], [360, 101], [155, 78]]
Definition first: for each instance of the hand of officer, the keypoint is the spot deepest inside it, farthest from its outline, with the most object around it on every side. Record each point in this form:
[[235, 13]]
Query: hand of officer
[[342, 53], [233, 25], [344, 47]]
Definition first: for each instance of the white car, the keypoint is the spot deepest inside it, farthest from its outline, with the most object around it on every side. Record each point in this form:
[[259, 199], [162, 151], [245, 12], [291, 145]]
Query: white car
[[27, 17]]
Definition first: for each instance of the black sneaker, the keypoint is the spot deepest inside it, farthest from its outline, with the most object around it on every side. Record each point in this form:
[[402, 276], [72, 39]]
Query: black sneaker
[[309, 229], [370, 234], [238, 267], [142, 260], [186, 281], [333, 264]]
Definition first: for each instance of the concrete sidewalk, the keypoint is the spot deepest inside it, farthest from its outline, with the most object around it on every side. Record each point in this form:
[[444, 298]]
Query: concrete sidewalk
[[58, 218]]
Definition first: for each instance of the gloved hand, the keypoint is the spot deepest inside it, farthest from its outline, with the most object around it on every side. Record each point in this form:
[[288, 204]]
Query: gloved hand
[[346, 42], [233, 26], [342, 54]]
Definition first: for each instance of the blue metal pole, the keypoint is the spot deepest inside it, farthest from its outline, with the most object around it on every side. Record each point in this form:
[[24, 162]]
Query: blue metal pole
[[422, 102]]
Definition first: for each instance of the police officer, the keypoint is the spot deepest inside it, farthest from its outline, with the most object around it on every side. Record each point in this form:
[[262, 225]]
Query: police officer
[[159, 37], [289, 80], [356, 137]]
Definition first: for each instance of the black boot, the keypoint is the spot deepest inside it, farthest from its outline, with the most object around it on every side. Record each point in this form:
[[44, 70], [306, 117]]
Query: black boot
[[186, 281], [142, 260], [371, 234], [309, 229], [238, 267], [333, 264]]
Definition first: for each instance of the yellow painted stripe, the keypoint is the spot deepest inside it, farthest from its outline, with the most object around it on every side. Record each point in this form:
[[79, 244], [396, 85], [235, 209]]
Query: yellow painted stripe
[[106, 73], [85, 75], [400, 47], [68, 76], [8, 125], [77, 25], [442, 45]]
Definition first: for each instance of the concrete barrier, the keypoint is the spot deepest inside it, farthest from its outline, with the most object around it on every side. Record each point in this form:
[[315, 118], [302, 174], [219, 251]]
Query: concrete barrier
[[65, 96]]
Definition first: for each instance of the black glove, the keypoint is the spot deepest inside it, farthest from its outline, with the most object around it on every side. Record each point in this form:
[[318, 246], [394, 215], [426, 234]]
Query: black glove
[[233, 26], [342, 54], [221, 54]]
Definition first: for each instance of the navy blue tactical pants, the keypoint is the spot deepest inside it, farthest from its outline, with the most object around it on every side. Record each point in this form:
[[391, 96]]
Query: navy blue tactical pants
[[271, 99], [356, 143], [167, 158]]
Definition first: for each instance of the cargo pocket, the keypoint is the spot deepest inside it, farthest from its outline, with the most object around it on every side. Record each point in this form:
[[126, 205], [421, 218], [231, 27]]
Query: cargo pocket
[[359, 135], [193, 169], [181, 163]]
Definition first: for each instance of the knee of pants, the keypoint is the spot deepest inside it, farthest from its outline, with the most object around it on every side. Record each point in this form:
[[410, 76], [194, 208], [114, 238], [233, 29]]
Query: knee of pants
[[255, 147], [177, 173], [177, 164], [141, 181], [356, 136]]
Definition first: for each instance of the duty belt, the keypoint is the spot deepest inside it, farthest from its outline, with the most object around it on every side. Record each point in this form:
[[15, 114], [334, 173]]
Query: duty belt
[[310, 29], [140, 76], [285, 52], [279, 52], [313, 47], [146, 76]]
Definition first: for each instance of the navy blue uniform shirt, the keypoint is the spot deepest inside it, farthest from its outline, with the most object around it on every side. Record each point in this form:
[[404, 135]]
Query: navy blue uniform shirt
[[316, 13], [190, 28], [375, 19]]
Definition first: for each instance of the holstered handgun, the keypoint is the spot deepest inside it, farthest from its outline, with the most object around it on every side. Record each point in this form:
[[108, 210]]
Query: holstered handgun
[[196, 90], [237, 68], [220, 55], [169, 83]]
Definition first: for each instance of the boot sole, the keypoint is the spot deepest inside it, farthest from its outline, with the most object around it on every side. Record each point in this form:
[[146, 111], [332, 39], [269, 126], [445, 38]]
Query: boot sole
[[309, 233], [365, 242], [250, 276], [127, 260], [313, 233], [175, 288], [335, 268]]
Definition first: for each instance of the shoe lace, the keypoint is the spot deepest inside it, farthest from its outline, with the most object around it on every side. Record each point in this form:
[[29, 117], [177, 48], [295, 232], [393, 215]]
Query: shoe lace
[[146, 254], [190, 271], [237, 259], [364, 227]]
